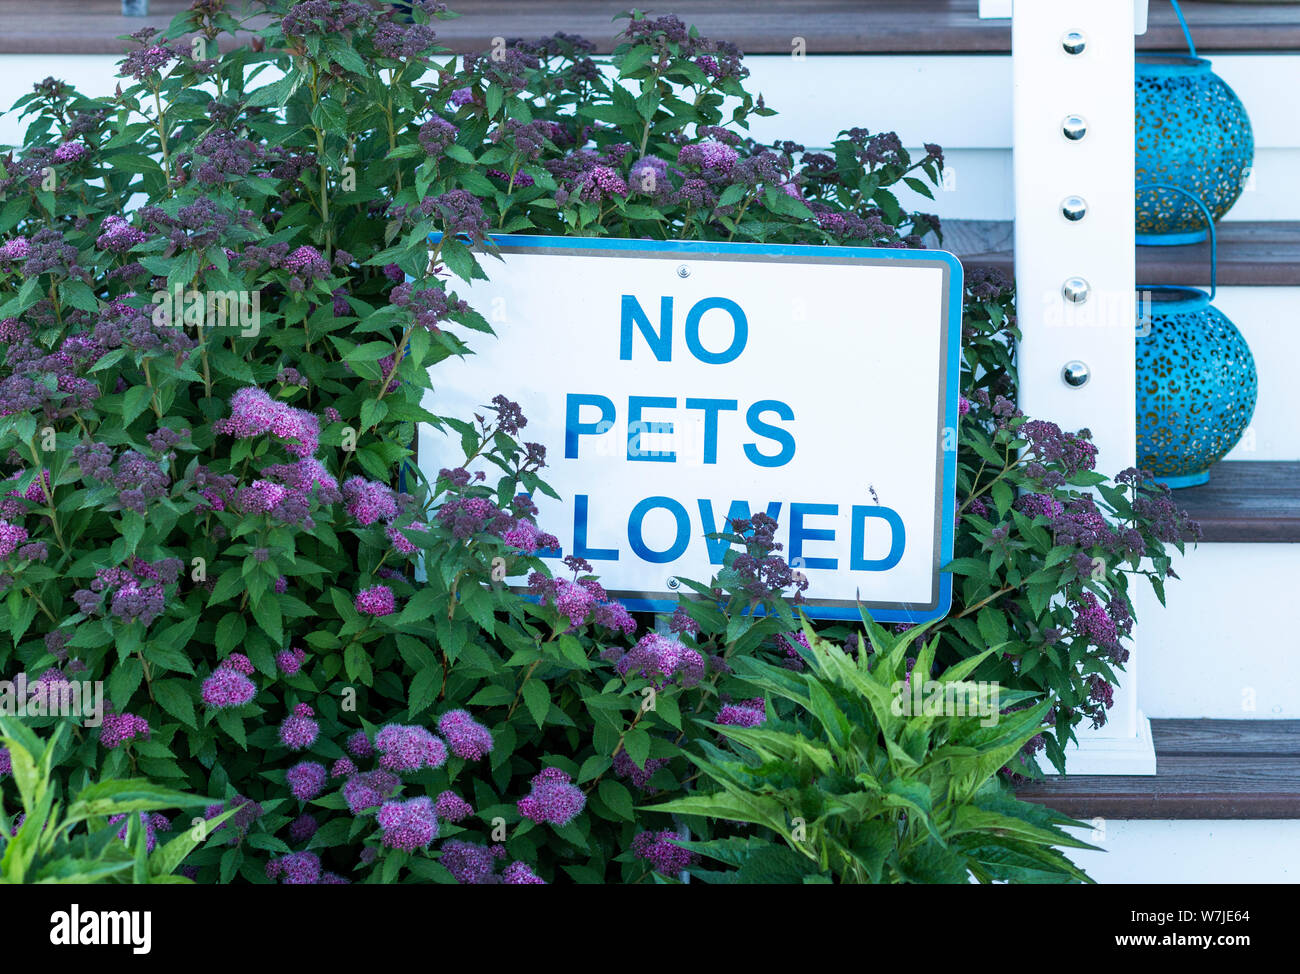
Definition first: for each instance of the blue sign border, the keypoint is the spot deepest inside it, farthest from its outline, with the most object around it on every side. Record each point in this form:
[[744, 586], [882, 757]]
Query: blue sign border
[[950, 323]]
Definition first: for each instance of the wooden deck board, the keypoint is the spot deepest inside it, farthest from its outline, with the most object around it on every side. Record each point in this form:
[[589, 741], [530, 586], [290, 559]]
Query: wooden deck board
[[1251, 253], [1206, 769], [827, 26], [1247, 500]]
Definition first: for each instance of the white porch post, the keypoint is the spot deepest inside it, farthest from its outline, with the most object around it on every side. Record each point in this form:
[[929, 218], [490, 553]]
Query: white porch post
[[1075, 266]]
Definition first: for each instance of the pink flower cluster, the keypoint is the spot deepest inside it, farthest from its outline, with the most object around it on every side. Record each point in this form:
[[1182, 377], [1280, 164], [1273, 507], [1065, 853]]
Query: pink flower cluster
[[369, 501], [306, 780], [253, 412], [378, 600], [659, 849], [409, 748], [152, 823], [450, 806], [290, 660], [553, 798], [467, 737], [118, 729], [748, 713], [581, 601], [299, 730], [408, 825], [662, 661], [11, 536], [227, 687], [368, 789]]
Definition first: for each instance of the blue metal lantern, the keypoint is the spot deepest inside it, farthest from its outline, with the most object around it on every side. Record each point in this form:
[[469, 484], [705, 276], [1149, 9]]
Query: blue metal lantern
[[1192, 133], [1196, 379]]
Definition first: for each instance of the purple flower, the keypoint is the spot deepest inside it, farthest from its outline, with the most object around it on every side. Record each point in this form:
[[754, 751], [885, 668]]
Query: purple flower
[[254, 412], [118, 236], [369, 789], [717, 161], [401, 544], [663, 661], [658, 849], [553, 798], [227, 688], [649, 175], [749, 713], [153, 823], [290, 660], [18, 248], [601, 182], [409, 748], [6, 762], [297, 868], [625, 767], [408, 825], [436, 135], [342, 768], [467, 737], [369, 501], [307, 262], [1039, 505], [11, 536], [302, 828], [519, 874], [306, 780], [461, 213], [359, 745], [119, 729], [238, 662], [299, 731], [376, 601], [452, 807], [470, 863]]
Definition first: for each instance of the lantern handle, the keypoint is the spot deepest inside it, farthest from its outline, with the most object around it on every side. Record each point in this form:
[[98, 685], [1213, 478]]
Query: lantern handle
[[1209, 222], [1182, 21]]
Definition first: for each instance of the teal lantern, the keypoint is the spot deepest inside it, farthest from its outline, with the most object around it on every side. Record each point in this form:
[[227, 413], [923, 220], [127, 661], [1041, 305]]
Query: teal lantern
[[1193, 134], [1196, 379]]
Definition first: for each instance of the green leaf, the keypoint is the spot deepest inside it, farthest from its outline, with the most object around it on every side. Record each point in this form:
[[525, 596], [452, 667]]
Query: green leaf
[[637, 744], [617, 797], [537, 697], [174, 697]]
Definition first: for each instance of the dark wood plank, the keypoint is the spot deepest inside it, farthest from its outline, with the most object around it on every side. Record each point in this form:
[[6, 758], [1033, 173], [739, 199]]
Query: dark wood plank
[[827, 26], [1211, 769], [1263, 738], [1251, 253], [88, 26], [1247, 500]]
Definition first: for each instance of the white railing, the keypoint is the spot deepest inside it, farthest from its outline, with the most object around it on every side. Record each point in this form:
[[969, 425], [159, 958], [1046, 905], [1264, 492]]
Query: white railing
[[1072, 63]]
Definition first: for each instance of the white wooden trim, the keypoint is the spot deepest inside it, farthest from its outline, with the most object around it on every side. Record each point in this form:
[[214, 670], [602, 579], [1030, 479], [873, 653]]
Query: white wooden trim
[[1048, 85]]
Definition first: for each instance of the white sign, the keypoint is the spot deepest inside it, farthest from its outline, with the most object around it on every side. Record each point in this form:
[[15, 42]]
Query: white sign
[[680, 385]]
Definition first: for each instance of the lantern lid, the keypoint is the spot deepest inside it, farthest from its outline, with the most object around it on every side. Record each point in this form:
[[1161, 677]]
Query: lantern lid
[[1173, 299], [1167, 64]]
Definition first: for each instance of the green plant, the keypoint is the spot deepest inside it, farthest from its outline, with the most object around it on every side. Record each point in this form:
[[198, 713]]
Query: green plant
[[863, 778], [104, 834]]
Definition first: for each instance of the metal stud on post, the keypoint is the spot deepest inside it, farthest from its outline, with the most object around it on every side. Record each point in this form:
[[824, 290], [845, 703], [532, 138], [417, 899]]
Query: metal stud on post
[[1076, 290], [1074, 208], [1074, 42]]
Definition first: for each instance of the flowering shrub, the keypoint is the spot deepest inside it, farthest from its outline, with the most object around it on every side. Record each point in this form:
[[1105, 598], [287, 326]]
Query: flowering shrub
[[220, 312]]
